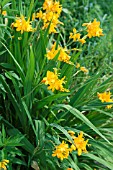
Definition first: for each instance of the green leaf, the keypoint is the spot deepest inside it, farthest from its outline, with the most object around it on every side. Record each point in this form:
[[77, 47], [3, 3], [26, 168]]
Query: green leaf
[[101, 111], [29, 77], [83, 118], [14, 141], [29, 117], [99, 160], [26, 144], [2, 52], [62, 130], [19, 69], [87, 167], [7, 66], [5, 2], [30, 8], [48, 99], [74, 165], [13, 100], [20, 162], [40, 131], [83, 93]]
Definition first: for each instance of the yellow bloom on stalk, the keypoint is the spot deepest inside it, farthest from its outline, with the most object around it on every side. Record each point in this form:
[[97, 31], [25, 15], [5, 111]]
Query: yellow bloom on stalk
[[71, 132], [47, 5], [57, 7], [4, 13], [50, 15], [77, 65], [109, 106], [105, 97], [63, 56], [33, 16], [50, 5], [93, 29], [79, 144], [22, 25], [84, 69], [82, 40], [62, 151], [74, 35], [3, 164], [69, 168], [39, 14], [81, 68], [54, 82], [53, 18]]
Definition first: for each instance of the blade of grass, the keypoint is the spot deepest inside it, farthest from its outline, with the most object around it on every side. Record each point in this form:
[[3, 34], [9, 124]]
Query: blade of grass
[[83, 118], [19, 69], [99, 160]]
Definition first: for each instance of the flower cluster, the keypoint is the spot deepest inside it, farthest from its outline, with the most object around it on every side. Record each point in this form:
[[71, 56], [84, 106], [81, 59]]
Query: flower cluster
[[50, 15], [76, 36], [22, 25], [105, 97], [84, 69], [54, 82], [93, 29], [62, 151], [3, 164], [79, 143], [62, 55]]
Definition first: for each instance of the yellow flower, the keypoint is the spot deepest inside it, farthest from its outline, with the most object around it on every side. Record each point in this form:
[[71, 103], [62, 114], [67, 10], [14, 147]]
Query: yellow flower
[[63, 56], [93, 29], [4, 13], [105, 97], [77, 65], [73, 148], [56, 7], [71, 132], [50, 5], [79, 144], [84, 69], [109, 106], [3, 164], [62, 151], [53, 81], [69, 168], [53, 18], [75, 49], [22, 25], [19, 38], [74, 35], [51, 15], [47, 5], [82, 40], [39, 14], [51, 28], [33, 16]]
